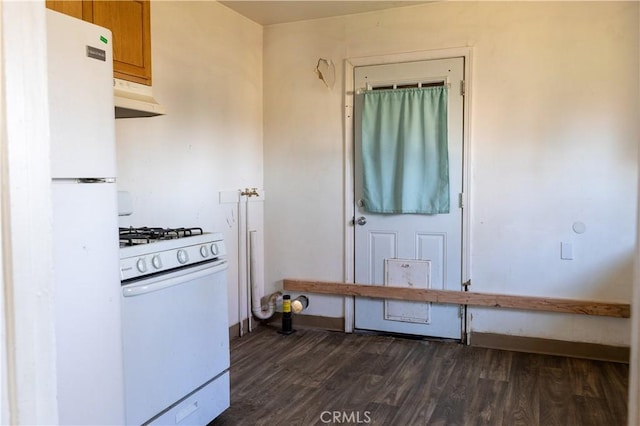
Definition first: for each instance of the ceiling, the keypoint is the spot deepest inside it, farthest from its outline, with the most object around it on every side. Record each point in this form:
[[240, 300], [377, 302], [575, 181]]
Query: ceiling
[[269, 12]]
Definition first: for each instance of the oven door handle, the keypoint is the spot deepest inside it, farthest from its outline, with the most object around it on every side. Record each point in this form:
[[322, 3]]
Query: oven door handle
[[149, 286]]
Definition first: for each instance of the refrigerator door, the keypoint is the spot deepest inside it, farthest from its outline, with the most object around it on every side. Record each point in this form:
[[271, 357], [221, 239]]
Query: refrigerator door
[[87, 291], [82, 122]]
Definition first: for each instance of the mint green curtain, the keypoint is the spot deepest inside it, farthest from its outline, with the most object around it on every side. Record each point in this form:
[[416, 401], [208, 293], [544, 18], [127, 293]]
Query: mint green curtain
[[404, 151]]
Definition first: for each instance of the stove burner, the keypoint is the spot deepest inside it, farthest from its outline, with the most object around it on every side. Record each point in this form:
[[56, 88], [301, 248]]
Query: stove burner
[[144, 235]]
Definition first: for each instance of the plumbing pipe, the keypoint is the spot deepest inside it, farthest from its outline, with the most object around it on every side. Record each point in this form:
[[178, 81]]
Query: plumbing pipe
[[299, 304], [248, 254], [287, 324], [261, 312], [241, 248]]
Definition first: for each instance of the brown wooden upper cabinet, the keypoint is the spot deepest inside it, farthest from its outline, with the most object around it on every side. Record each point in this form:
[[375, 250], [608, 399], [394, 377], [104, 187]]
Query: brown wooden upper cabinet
[[129, 22]]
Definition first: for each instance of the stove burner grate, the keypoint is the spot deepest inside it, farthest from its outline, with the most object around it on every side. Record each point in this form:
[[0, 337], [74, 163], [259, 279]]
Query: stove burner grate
[[144, 235]]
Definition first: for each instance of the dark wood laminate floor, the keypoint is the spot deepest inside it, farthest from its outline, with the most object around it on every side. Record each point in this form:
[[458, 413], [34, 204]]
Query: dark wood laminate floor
[[302, 379]]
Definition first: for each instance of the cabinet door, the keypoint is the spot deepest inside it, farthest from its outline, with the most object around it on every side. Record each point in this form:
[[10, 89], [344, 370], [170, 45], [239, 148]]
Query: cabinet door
[[76, 8], [129, 22]]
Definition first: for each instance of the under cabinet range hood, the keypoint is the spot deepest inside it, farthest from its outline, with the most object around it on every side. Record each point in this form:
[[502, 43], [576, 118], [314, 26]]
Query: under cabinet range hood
[[134, 100]]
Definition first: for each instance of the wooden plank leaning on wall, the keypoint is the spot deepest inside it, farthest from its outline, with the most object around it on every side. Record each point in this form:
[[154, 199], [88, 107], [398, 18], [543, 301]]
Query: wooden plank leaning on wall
[[529, 303]]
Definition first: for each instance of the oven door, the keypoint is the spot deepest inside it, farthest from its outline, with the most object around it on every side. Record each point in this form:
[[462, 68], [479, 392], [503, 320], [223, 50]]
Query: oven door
[[175, 339]]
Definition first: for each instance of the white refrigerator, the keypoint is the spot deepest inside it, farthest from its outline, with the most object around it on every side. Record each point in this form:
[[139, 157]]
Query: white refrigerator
[[85, 227]]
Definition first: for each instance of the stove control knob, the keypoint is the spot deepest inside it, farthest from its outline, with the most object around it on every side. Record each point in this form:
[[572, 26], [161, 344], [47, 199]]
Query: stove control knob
[[183, 257], [204, 252], [156, 262], [141, 265], [214, 249]]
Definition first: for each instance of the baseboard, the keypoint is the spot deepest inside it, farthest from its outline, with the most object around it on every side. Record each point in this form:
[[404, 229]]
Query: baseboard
[[506, 342], [234, 330], [551, 347], [302, 321], [310, 321]]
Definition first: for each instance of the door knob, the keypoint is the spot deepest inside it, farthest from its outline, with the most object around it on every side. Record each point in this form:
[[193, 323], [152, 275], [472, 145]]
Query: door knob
[[361, 220]]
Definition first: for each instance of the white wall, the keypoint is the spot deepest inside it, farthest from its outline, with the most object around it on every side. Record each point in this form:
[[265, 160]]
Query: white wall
[[553, 142], [207, 72], [28, 350]]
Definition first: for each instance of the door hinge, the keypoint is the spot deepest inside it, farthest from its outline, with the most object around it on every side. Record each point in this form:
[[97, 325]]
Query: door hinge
[[462, 88], [460, 311], [466, 285], [461, 200]]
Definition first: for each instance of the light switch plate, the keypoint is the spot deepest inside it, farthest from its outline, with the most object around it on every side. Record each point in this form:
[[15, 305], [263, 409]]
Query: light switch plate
[[566, 251]]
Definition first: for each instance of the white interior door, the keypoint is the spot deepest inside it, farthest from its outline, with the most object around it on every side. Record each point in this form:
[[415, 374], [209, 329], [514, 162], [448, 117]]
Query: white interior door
[[414, 250]]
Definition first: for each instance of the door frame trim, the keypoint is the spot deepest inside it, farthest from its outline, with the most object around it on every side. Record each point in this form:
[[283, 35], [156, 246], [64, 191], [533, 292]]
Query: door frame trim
[[349, 173]]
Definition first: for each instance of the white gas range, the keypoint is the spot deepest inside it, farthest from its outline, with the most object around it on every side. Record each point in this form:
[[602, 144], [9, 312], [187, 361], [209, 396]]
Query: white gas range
[[175, 325]]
